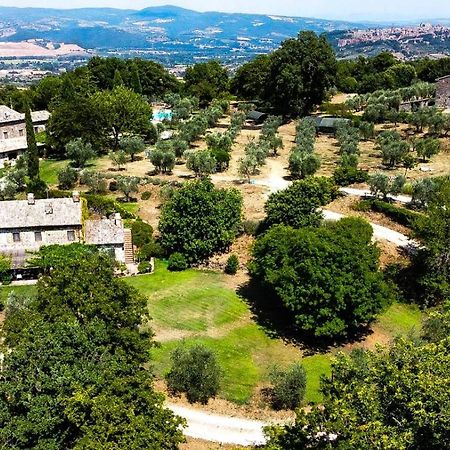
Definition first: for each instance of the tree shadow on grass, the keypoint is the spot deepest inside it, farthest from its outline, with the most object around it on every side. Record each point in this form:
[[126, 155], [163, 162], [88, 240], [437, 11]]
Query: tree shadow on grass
[[277, 321]]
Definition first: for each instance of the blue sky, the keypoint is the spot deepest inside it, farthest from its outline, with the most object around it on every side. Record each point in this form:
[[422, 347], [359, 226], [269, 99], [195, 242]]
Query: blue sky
[[337, 9]]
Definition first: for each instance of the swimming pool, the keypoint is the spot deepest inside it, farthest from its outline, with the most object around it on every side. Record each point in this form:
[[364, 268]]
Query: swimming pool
[[160, 115]]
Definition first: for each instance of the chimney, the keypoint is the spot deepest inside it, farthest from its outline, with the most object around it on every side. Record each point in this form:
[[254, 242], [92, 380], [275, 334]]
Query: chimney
[[76, 196], [30, 198], [117, 219], [48, 208]]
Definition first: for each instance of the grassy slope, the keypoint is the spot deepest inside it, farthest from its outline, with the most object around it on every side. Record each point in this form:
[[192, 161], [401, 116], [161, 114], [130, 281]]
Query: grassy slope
[[49, 169], [199, 307]]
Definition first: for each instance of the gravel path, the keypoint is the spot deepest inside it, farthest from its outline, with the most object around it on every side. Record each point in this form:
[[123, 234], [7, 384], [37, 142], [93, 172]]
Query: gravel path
[[366, 193], [221, 429]]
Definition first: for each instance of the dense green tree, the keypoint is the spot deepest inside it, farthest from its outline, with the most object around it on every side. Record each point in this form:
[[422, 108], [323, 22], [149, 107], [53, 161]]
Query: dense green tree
[[401, 74], [14, 97], [434, 258], [154, 79], [118, 80], [392, 147], [136, 84], [199, 220], [162, 156], [301, 71], [206, 81], [288, 386], [46, 91], [424, 192], [177, 262], [77, 117], [201, 162], [297, 206], [426, 148], [302, 164], [382, 184], [250, 80], [142, 233], [394, 398], [194, 371], [328, 278], [72, 376], [124, 111], [232, 265]]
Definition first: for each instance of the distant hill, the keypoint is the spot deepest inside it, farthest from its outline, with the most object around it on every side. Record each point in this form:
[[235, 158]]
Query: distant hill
[[166, 31], [175, 35]]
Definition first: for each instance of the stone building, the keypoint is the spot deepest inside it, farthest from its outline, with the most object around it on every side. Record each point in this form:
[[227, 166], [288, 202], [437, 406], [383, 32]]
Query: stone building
[[443, 92], [13, 139], [27, 225]]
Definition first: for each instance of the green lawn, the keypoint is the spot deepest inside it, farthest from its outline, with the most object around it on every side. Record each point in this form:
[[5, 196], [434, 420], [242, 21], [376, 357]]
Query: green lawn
[[22, 290], [132, 208], [49, 169], [197, 306], [401, 319]]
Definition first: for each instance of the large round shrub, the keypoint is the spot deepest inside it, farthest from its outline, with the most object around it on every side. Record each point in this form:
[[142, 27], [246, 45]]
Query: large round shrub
[[199, 220], [328, 278], [297, 206], [177, 262]]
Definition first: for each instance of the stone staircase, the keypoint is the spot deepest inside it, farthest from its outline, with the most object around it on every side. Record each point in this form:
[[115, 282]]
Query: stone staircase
[[128, 247]]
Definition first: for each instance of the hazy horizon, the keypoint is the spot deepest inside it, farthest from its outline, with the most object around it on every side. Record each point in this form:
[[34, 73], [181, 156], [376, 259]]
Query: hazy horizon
[[351, 10]]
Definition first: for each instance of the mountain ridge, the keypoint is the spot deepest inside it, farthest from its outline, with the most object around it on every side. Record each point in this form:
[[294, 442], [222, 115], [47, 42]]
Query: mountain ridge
[[170, 34]]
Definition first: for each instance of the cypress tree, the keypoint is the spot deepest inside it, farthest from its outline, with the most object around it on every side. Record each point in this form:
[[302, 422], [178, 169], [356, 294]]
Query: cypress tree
[[136, 80], [31, 156], [118, 80]]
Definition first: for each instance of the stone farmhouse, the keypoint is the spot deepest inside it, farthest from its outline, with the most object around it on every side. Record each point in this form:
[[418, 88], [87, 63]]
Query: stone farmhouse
[[443, 92], [13, 139], [27, 225]]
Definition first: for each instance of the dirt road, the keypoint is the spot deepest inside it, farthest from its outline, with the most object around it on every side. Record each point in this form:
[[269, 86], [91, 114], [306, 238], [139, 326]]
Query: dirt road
[[221, 429]]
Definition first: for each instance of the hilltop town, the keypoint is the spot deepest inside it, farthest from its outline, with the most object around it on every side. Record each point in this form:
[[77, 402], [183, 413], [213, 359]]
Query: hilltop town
[[406, 42]]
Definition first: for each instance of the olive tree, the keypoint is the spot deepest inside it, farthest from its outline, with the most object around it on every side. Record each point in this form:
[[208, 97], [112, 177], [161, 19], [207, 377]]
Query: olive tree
[[79, 152], [128, 185], [194, 371]]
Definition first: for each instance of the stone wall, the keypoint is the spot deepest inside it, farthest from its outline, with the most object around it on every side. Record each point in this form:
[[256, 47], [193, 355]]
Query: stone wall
[[16, 130], [28, 238], [443, 93]]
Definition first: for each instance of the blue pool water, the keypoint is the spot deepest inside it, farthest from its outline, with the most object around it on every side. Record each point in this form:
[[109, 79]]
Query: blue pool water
[[162, 114]]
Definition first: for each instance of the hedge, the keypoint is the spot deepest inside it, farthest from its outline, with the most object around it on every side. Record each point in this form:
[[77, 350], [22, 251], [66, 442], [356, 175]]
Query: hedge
[[403, 216]]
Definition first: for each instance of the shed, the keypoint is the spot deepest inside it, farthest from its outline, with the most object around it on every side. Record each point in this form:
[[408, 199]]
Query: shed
[[256, 117], [329, 125]]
